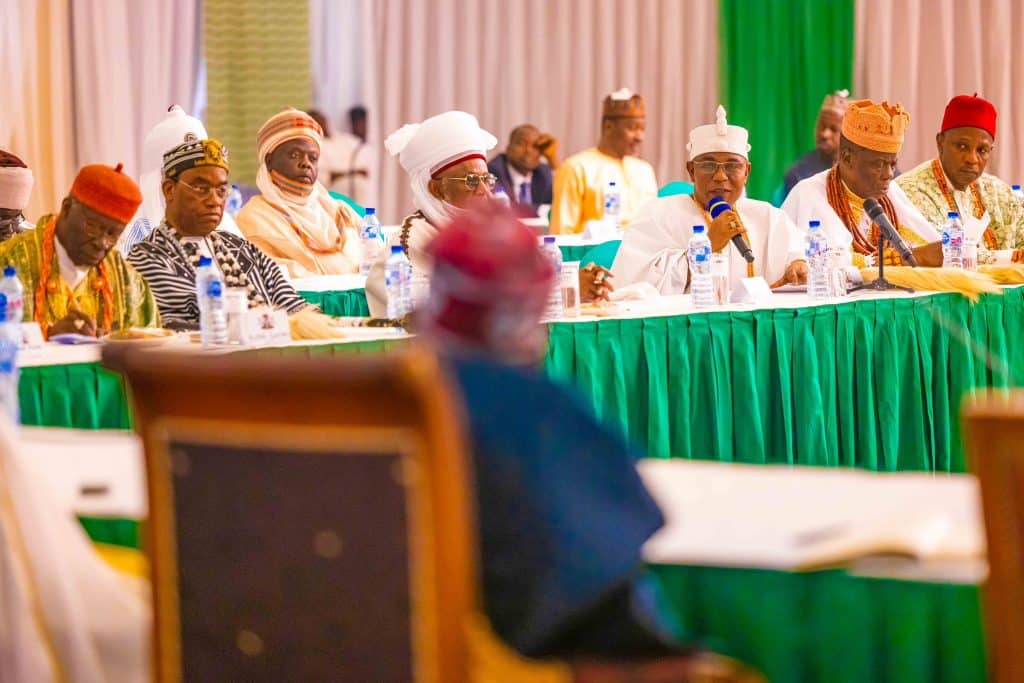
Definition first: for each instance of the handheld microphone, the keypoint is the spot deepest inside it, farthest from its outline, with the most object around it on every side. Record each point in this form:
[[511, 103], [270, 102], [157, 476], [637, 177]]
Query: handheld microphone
[[877, 214], [716, 207]]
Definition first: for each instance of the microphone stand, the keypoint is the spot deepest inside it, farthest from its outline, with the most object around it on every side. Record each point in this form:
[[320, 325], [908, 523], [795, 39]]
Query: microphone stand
[[880, 284]]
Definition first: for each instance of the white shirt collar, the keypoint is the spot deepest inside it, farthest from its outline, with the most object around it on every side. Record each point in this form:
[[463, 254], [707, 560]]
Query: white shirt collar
[[517, 178], [70, 272]]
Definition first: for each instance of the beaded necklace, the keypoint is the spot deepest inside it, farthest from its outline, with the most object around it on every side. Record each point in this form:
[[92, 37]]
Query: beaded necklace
[[233, 274], [52, 284], [839, 202], [978, 205]]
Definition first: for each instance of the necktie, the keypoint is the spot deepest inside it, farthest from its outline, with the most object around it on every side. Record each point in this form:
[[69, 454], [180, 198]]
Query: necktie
[[524, 193]]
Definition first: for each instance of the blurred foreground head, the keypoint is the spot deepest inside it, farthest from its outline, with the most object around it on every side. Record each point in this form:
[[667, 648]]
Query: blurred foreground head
[[489, 288]]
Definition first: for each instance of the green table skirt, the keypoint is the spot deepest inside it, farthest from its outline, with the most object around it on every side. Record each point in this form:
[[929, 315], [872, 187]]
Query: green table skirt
[[79, 395], [830, 626], [874, 383], [800, 628], [345, 304]]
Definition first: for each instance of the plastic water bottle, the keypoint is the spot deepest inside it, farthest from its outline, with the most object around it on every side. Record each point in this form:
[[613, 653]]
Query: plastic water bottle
[[234, 202], [501, 197], [398, 283], [370, 237], [213, 319], [1018, 193], [816, 251], [702, 287], [11, 287], [10, 342], [613, 205], [953, 241], [556, 307]]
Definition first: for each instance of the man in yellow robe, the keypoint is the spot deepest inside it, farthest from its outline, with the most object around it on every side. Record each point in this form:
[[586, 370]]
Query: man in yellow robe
[[75, 280], [582, 179]]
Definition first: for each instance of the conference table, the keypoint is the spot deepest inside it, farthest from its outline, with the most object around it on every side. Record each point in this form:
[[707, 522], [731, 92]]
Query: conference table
[[345, 296], [874, 381], [724, 559]]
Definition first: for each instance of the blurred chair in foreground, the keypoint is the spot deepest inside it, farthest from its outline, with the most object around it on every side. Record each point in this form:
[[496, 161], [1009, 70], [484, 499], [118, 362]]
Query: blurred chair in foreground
[[994, 430], [308, 520]]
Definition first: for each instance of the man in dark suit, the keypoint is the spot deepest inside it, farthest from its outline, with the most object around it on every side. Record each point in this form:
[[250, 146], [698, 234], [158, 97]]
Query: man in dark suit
[[527, 181]]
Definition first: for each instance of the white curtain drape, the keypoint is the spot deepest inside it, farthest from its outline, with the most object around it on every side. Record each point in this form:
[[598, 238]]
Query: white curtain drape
[[35, 117], [923, 52], [337, 52], [546, 63], [132, 60]]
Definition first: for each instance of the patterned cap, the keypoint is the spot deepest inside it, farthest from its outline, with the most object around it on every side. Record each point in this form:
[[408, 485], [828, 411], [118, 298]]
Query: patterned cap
[[623, 104], [878, 127], [193, 153], [288, 124]]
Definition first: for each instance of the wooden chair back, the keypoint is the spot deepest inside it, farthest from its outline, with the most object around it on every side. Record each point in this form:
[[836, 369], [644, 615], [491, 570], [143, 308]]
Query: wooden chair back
[[994, 432], [309, 519]]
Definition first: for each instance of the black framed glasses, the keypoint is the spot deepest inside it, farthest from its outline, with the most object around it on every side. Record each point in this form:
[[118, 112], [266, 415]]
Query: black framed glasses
[[710, 168], [205, 191], [473, 180]]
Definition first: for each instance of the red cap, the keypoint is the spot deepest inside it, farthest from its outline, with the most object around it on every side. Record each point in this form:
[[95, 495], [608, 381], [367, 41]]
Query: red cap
[[970, 110], [490, 283], [107, 191]]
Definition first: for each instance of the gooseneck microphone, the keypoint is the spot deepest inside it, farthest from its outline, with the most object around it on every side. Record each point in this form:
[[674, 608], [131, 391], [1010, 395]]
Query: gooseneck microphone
[[716, 207], [877, 214]]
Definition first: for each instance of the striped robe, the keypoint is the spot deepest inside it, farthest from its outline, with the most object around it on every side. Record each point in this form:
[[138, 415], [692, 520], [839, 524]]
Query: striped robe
[[162, 261]]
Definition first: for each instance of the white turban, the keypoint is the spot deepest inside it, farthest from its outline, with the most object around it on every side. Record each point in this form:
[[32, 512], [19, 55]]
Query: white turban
[[424, 149], [15, 187], [175, 128], [718, 137]]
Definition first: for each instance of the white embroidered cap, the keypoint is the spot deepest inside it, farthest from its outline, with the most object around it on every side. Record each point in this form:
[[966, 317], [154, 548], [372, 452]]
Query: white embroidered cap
[[718, 137]]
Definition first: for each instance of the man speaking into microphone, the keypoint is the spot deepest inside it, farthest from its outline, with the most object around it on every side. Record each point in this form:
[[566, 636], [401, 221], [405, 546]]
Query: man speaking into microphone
[[654, 248]]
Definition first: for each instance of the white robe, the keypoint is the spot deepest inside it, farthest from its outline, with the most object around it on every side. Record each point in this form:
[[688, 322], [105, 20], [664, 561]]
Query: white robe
[[421, 232], [808, 201], [56, 592], [654, 248]]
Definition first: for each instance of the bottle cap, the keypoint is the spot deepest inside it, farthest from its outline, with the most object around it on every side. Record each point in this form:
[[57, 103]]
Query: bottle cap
[[9, 271], [698, 229], [233, 186], [815, 224], [611, 184], [1015, 188], [205, 261], [549, 239], [396, 249], [370, 211], [952, 214]]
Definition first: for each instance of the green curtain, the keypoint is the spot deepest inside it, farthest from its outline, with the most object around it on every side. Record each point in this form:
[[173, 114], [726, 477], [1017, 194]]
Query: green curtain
[[257, 63], [777, 60]]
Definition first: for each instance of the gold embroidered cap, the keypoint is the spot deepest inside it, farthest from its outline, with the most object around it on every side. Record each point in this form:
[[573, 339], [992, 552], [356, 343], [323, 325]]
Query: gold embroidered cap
[[879, 127], [192, 153], [836, 101], [623, 104]]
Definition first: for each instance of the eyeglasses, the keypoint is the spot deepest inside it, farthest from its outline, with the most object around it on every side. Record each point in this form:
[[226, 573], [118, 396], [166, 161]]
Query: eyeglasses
[[473, 180], [710, 168], [221, 191]]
